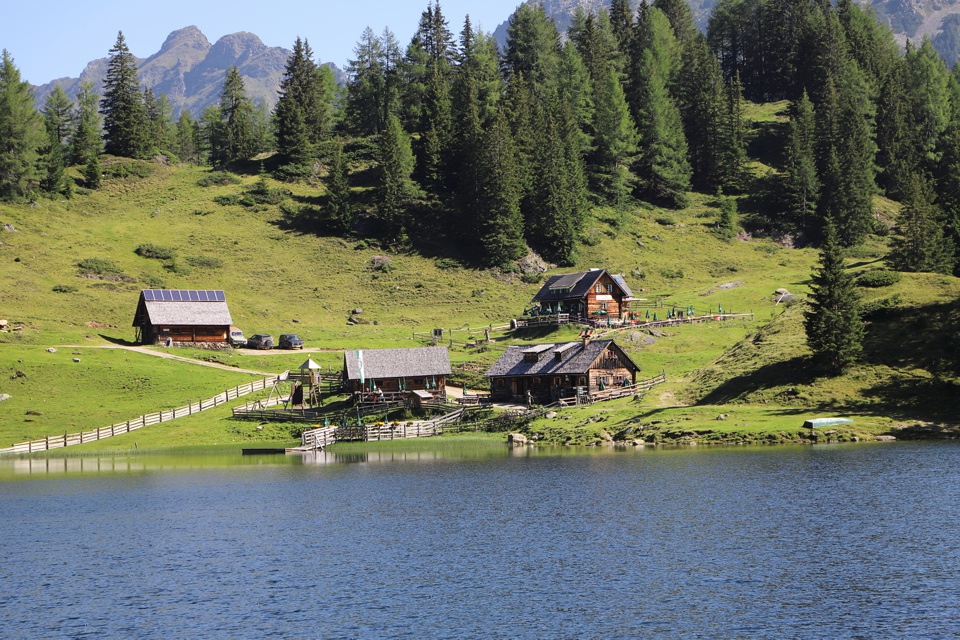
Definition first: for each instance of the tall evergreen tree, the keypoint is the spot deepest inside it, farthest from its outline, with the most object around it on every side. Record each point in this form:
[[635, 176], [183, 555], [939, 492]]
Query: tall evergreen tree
[[124, 115], [367, 88], [700, 98], [213, 138], [500, 227], [396, 189], [614, 142], [896, 154], [801, 184], [575, 85], [533, 47], [662, 166], [920, 244], [186, 138], [236, 109], [928, 87], [20, 132], [303, 116], [338, 208], [832, 323], [86, 139], [58, 113]]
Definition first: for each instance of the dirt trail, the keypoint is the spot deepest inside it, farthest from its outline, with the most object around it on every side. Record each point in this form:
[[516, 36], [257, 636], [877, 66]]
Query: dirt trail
[[169, 356]]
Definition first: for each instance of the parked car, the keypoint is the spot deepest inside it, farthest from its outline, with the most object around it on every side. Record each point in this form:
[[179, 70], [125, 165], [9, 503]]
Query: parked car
[[260, 341], [235, 338], [290, 341]]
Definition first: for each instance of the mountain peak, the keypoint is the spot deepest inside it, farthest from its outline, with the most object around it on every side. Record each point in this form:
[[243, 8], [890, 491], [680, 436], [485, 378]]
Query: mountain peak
[[189, 37]]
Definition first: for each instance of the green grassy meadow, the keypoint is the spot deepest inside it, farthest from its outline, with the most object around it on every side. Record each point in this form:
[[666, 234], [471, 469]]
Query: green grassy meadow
[[280, 279]]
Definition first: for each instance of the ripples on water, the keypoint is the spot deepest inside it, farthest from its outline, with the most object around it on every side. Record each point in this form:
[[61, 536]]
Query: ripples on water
[[792, 542]]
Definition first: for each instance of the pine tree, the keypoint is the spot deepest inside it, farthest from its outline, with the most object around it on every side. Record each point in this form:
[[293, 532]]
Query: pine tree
[[920, 244], [58, 112], [575, 85], [928, 88], [87, 139], [339, 208], [92, 173], [213, 138], [533, 47], [124, 115], [236, 110], [621, 24], [832, 323], [367, 90], [396, 189], [614, 143], [801, 184], [21, 133], [856, 151], [948, 185], [700, 98]]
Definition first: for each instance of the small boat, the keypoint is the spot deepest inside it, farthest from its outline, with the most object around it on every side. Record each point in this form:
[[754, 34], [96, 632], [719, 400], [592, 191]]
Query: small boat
[[825, 422]]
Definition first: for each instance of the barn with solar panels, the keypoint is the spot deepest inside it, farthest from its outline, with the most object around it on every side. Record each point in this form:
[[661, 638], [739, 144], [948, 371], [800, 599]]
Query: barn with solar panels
[[590, 295], [183, 317]]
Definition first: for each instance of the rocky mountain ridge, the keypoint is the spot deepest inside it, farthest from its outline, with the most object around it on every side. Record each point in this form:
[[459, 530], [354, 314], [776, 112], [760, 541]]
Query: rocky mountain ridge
[[190, 71]]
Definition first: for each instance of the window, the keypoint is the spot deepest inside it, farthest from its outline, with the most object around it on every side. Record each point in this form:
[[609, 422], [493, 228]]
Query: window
[[603, 305], [609, 288], [598, 288]]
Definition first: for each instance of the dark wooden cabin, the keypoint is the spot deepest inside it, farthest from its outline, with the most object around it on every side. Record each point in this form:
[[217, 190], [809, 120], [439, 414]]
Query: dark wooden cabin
[[388, 374], [591, 295], [553, 371], [182, 317]]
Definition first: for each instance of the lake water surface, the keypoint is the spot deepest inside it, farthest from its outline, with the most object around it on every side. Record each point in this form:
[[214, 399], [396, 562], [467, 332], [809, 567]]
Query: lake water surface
[[858, 541]]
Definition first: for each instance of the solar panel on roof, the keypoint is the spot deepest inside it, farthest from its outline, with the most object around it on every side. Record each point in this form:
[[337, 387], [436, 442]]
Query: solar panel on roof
[[177, 295], [220, 296], [167, 295], [147, 294], [194, 297]]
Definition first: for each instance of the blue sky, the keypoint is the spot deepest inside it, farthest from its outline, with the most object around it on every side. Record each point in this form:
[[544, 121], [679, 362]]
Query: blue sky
[[57, 38]]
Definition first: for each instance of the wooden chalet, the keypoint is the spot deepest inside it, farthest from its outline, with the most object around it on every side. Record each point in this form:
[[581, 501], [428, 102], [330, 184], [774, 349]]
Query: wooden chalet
[[589, 295], [182, 317], [378, 375], [548, 372]]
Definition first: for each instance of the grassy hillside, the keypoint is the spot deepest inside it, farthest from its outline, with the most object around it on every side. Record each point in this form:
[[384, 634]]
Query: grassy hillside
[[278, 279]]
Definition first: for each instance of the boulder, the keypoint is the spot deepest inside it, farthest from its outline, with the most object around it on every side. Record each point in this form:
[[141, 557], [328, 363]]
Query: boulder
[[76, 359], [886, 438], [51, 350], [5, 396], [3, 324], [516, 439], [551, 415]]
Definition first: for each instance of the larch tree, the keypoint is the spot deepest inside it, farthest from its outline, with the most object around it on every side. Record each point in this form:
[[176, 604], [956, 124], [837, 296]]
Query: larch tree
[[396, 186], [86, 139], [801, 186], [124, 115]]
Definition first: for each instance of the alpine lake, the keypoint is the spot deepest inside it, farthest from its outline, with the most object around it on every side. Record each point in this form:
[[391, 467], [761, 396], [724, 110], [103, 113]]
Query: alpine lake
[[484, 541]]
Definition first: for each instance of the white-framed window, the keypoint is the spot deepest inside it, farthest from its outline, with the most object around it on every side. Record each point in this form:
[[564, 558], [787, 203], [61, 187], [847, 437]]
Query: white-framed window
[[609, 288], [598, 288]]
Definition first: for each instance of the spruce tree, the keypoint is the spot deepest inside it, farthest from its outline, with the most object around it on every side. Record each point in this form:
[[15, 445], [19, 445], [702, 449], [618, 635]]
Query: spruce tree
[[833, 325], [500, 225], [896, 154], [801, 185], [338, 207], [186, 135], [124, 115], [727, 223], [367, 90], [396, 187], [614, 142], [86, 139], [21, 133], [236, 110], [662, 168], [928, 88], [92, 173], [58, 114], [533, 47], [920, 244]]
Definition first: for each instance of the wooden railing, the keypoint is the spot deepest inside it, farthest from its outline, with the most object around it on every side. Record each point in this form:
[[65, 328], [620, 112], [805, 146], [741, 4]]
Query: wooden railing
[[70, 439]]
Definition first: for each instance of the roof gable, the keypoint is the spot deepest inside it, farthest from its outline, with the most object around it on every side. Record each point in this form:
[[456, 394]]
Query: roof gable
[[564, 358], [398, 363], [182, 307], [577, 285]]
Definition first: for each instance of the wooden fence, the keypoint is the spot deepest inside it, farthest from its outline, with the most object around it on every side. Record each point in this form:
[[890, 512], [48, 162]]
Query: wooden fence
[[70, 439], [320, 437]]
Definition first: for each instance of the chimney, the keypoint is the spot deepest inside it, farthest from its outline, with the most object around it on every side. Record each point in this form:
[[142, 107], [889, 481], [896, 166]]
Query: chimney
[[586, 337]]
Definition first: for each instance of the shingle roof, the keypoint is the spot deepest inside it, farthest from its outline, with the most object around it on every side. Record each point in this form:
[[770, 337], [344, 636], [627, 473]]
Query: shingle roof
[[575, 359], [398, 363], [187, 311], [575, 285]]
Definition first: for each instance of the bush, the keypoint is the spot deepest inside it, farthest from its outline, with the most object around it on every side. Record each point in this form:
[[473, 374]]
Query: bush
[[672, 273], [592, 238], [448, 263], [64, 288], [218, 179], [99, 266], [531, 278], [877, 309], [180, 268], [381, 263], [150, 250], [205, 262], [878, 278], [226, 201], [665, 221]]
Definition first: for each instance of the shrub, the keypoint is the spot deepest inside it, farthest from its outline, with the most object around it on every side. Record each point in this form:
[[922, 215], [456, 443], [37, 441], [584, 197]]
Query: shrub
[[592, 238], [531, 278], [671, 273], [665, 221], [205, 262], [179, 267], [226, 201], [150, 250], [878, 278], [98, 266], [448, 263], [64, 288], [381, 263], [218, 179]]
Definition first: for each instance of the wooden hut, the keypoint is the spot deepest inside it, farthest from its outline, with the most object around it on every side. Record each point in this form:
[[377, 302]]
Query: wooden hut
[[375, 375], [591, 295], [545, 373], [182, 317]]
